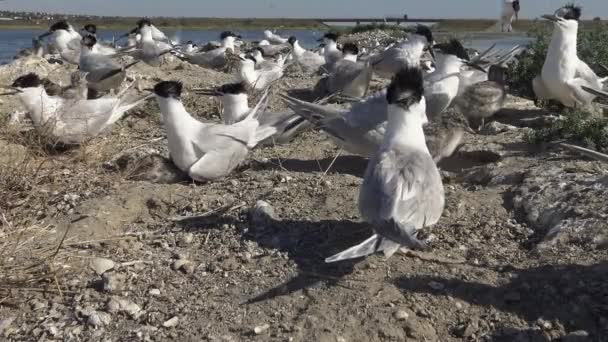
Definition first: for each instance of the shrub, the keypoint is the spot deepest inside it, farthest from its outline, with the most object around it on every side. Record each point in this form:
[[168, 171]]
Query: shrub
[[577, 126]]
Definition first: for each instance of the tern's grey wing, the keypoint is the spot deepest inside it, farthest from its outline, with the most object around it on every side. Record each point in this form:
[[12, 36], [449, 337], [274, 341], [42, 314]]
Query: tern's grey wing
[[370, 112], [437, 103], [344, 73], [97, 62], [210, 59], [401, 186], [218, 163]]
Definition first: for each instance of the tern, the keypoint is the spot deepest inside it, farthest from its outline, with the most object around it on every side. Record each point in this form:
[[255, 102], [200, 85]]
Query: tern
[[102, 73], [65, 40], [262, 63], [102, 48], [207, 151], [332, 54], [308, 60], [563, 73], [402, 190], [154, 43], [482, 100], [274, 38], [234, 100], [269, 50], [215, 58], [510, 11], [442, 85], [347, 77], [259, 79], [406, 53], [70, 121]]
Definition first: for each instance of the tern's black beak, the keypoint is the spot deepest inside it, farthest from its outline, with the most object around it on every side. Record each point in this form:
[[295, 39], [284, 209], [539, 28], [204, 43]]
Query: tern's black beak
[[13, 91], [44, 35], [207, 92], [476, 66], [431, 52], [550, 17]]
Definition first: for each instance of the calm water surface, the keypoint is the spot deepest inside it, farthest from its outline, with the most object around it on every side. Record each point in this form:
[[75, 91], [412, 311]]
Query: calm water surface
[[12, 41]]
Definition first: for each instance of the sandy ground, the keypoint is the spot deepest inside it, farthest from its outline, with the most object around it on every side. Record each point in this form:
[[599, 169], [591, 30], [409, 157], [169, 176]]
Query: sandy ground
[[146, 255]]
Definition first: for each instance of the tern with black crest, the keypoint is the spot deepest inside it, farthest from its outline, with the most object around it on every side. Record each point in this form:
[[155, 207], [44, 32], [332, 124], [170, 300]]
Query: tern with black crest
[[215, 58], [235, 104], [70, 121], [207, 151], [510, 12], [402, 190], [563, 74]]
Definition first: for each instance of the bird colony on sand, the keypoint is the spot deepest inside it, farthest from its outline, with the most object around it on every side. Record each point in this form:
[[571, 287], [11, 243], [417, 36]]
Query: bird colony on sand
[[402, 190]]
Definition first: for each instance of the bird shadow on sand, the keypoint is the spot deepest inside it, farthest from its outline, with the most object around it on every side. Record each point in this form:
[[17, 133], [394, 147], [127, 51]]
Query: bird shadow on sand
[[307, 243], [533, 118], [352, 165], [574, 295]]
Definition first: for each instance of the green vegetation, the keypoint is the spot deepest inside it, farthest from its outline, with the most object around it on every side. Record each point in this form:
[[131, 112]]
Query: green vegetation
[[577, 126]]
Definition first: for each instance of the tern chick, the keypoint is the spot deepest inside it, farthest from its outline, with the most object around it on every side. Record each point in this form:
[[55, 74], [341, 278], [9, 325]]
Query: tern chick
[[482, 100]]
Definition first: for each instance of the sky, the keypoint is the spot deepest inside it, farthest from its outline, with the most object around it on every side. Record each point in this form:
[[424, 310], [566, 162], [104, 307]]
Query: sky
[[300, 8]]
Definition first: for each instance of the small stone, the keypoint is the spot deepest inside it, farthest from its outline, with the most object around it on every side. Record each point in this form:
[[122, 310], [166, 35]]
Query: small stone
[[260, 329], [401, 315], [113, 282], [545, 325], [171, 322], [186, 239], [262, 214], [179, 264], [154, 292], [436, 285], [101, 265], [116, 305], [188, 268], [5, 324], [98, 319]]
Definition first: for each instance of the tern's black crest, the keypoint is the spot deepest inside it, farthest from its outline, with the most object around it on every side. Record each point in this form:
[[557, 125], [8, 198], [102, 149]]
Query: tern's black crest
[[250, 57], [30, 80], [89, 41], [516, 6], [331, 36], [227, 34], [168, 89], [424, 31], [90, 28], [257, 48], [350, 48], [60, 25], [233, 88], [143, 22], [292, 40], [454, 47], [407, 87], [569, 12], [190, 42]]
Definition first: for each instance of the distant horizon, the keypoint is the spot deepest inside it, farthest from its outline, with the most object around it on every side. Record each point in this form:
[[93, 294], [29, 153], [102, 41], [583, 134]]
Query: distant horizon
[[292, 9]]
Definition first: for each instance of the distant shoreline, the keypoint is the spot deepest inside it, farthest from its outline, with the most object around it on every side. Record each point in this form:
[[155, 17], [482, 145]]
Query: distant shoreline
[[447, 25]]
